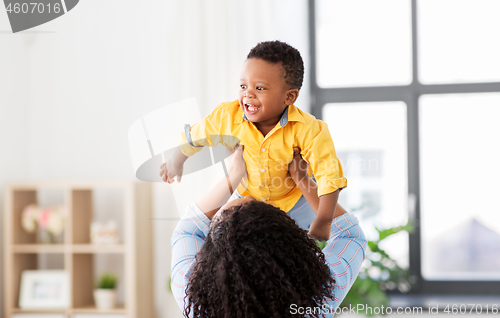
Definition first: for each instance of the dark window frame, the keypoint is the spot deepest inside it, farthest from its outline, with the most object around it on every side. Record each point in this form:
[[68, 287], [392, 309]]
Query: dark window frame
[[410, 95]]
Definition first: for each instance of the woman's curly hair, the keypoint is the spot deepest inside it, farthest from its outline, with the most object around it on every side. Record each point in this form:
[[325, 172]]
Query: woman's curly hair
[[287, 55], [256, 262]]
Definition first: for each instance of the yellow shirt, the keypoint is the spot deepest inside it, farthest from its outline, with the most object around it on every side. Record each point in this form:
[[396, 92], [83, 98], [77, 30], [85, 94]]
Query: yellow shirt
[[267, 158]]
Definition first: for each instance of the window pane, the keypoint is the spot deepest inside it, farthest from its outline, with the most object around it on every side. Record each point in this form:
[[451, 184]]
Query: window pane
[[363, 42], [460, 169], [458, 41], [370, 140]]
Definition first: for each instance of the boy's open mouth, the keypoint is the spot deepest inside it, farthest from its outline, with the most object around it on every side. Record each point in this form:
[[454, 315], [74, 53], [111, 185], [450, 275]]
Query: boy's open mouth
[[251, 109]]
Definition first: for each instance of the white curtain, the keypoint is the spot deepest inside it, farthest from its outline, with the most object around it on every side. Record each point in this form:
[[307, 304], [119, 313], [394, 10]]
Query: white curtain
[[208, 42]]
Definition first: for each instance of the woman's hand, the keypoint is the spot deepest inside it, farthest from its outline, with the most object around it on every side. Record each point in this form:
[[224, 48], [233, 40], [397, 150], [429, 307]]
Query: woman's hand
[[298, 171], [297, 167], [236, 167]]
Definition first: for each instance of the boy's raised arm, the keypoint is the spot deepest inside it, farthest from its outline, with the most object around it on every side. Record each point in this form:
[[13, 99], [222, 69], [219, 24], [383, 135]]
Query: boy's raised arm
[[320, 227], [318, 151], [204, 133], [309, 188]]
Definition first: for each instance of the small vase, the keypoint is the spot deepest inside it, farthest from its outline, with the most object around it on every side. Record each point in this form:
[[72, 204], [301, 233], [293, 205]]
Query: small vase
[[105, 298], [46, 237]]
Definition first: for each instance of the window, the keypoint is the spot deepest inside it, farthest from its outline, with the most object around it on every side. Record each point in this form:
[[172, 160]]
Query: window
[[358, 40], [414, 86], [457, 41], [460, 228], [372, 151]]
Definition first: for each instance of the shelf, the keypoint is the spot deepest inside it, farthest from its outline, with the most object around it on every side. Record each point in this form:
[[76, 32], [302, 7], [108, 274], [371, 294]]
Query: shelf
[[38, 248], [127, 203], [97, 248], [61, 248], [119, 310], [38, 311], [62, 184], [93, 310]]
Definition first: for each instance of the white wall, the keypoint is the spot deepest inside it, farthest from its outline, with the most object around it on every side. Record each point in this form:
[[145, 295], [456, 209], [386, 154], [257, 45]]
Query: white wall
[[14, 127], [70, 89]]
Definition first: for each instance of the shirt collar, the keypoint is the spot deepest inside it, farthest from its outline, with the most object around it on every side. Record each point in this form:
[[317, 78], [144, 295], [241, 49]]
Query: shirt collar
[[291, 113]]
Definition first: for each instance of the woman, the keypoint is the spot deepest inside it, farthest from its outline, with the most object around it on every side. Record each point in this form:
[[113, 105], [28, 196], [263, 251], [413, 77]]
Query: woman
[[250, 259]]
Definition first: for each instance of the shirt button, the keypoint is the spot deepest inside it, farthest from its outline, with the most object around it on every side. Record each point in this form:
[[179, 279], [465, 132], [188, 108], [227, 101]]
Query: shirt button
[[263, 149], [261, 186], [264, 199], [262, 170]]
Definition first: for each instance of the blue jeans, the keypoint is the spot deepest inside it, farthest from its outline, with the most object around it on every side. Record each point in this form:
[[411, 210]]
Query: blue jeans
[[301, 211]]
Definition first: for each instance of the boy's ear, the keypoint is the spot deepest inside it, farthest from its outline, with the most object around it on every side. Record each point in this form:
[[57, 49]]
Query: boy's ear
[[291, 96]]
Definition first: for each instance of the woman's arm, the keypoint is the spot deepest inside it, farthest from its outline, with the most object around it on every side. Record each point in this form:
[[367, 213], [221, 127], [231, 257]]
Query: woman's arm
[[191, 231], [218, 196], [344, 253], [187, 239], [345, 250]]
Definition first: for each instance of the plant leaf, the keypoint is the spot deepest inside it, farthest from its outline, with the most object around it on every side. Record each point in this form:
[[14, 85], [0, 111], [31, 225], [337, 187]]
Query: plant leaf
[[409, 227]]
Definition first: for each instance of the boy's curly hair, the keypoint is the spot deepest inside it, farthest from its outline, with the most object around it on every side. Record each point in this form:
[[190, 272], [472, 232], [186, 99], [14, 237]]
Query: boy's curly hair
[[276, 52], [256, 262]]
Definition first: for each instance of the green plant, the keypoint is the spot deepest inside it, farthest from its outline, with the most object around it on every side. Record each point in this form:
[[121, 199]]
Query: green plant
[[321, 244], [378, 274], [106, 281]]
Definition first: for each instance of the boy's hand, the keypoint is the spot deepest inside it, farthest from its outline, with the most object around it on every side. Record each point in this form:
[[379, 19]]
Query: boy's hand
[[169, 170], [320, 229], [173, 166], [297, 167]]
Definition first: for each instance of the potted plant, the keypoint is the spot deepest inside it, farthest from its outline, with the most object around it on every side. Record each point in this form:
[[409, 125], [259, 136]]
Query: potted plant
[[105, 292]]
